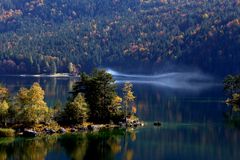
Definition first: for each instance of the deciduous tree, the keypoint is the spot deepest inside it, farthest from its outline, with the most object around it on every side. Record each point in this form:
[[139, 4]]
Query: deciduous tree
[[4, 94], [30, 105], [128, 96], [77, 110], [3, 112]]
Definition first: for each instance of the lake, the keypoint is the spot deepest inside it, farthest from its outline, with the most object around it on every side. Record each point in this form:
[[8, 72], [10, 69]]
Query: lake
[[191, 109]]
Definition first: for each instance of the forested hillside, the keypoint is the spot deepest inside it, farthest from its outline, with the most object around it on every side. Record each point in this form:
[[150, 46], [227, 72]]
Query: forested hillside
[[48, 36]]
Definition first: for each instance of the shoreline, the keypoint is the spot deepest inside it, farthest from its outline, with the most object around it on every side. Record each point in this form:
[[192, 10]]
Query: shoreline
[[57, 75], [61, 130]]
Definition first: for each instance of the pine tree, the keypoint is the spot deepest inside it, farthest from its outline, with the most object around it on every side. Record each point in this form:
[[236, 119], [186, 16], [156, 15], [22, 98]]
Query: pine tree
[[53, 68], [38, 69], [99, 91]]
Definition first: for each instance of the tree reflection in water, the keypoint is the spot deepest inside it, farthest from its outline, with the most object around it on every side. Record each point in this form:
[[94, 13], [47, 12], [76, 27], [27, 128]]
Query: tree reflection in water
[[22, 149], [102, 145]]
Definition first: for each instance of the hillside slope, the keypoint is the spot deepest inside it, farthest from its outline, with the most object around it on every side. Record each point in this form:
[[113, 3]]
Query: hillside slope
[[48, 36]]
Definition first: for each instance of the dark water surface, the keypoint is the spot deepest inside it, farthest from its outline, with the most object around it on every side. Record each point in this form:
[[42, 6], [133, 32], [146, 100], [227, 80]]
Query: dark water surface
[[193, 126]]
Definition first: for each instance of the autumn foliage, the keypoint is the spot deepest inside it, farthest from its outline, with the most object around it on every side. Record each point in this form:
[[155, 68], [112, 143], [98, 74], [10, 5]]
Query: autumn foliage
[[69, 36]]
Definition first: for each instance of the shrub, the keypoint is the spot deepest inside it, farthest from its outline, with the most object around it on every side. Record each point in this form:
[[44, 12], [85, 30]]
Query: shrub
[[7, 132]]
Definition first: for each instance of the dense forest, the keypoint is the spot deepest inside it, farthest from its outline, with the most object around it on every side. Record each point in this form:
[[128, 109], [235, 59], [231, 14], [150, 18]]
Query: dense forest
[[49, 36]]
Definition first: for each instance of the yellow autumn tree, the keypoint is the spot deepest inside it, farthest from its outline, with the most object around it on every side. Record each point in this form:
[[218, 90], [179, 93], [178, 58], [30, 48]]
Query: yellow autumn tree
[[3, 112], [116, 102], [4, 106], [128, 96], [30, 105], [4, 94]]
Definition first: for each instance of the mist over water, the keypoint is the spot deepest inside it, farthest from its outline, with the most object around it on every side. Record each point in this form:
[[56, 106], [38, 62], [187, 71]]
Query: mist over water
[[175, 80]]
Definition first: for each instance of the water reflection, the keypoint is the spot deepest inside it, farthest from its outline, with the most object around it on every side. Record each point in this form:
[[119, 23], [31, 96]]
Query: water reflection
[[172, 141], [188, 141], [156, 103], [37, 148], [101, 145]]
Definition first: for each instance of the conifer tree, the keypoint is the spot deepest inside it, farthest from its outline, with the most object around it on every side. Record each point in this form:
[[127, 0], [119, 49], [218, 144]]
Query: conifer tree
[[99, 91]]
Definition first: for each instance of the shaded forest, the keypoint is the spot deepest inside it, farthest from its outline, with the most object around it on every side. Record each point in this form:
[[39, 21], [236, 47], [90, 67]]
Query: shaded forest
[[49, 36]]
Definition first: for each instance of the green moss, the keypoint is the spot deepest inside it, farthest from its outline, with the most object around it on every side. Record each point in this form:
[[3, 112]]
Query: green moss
[[7, 132]]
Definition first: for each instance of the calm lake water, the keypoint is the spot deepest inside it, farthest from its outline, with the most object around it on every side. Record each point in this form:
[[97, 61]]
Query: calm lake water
[[193, 125]]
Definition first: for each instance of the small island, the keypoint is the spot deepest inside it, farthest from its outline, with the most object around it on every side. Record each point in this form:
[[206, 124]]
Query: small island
[[93, 104]]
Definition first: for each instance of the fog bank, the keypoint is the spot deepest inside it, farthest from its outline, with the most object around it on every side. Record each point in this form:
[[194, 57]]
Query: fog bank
[[175, 80]]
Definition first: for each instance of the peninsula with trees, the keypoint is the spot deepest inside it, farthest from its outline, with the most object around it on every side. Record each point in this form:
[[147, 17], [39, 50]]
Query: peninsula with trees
[[93, 104]]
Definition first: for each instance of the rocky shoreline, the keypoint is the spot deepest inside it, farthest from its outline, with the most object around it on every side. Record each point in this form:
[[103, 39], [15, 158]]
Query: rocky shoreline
[[44, 130]]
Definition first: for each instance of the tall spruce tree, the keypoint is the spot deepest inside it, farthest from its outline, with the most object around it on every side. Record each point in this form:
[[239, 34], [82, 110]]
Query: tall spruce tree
[[99, 91]]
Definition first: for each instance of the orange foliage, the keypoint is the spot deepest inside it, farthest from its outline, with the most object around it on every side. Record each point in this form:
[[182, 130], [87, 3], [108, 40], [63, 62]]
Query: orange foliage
[[235, 22], [9, 14], [134, 109]]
